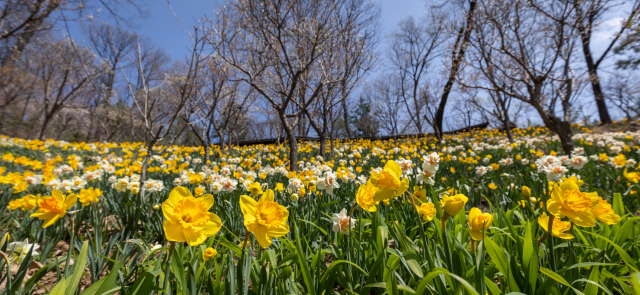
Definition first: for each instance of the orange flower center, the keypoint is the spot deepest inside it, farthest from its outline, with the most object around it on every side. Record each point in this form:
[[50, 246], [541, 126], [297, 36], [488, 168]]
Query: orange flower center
[[577, 201], [192, 212], [343, 223], [51, 205], [269, 214]]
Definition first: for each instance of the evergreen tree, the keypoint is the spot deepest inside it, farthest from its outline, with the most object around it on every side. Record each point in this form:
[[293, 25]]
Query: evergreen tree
[[365, 124]]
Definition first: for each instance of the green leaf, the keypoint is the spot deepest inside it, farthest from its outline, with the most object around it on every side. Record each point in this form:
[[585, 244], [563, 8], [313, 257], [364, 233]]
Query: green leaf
[[59, 288], [586, 264], [178, 269], [91, 290], [593, 284], [530, 259], [319, 228], [635, 281], [558, 278], [499, 258], [625, 256], [231, 246], [618, 206], [73, 281], [441, 271], [492, 288], [40, 274], [144, 284], [303, 264], [110, 280], [337, 263]]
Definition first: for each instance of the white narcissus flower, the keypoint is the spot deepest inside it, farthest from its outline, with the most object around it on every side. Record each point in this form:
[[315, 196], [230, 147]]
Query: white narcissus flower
[[343, 223], [405, 165], [481, 170], [426, 175], [577, 162], [555, 173], [19, 251], [328, 183], [431, 162]]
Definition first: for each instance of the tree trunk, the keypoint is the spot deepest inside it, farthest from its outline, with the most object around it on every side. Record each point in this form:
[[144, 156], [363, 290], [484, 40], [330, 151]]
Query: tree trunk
[[457, 57], [592, 67], [603, 111], [206, 154], [323, 145], [507, 128], [293, 143], [555, 124], [45, 122], [221, 136], [345, 112]]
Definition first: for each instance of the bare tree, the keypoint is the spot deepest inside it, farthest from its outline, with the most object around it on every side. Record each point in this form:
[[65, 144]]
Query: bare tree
[[457, 55], [522, 53], [623, 91], [413, 47], [386, 105], [159, 106], [273, 45], [358, 39], [61, 75], [218, 105], [21, 20], [498, 105], [586, 15]]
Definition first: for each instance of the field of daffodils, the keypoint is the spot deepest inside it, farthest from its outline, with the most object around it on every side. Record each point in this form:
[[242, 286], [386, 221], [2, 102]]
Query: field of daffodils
[[473, 214]]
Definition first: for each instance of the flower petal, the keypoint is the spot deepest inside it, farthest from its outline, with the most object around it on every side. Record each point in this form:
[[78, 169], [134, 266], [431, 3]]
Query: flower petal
[[394, 168], [262, 237], [173, 231], [207, 200], [267, 196], [70, 201]]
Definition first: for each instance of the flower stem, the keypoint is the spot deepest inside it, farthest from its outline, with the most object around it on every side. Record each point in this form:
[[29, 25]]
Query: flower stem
[[168, 269]]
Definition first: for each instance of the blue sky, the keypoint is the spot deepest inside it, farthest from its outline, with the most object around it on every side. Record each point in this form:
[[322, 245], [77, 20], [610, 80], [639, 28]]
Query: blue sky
[[163, 27], [165, 30]]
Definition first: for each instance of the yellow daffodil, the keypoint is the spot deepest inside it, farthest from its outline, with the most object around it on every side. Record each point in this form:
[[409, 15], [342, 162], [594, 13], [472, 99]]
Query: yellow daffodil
[[279, 187], [559, 227], [631, 176], [479, 222], [255, 189], [453, 204], [365, 197], [188, 218], [266, 219], [492, 186], [526, 192], [575, 179], [30, 202], [54, 207], [388, 182], [420, 194], [567, 200], [15, 204], [199, 191], [89, 196], [604, 212], [209, 253], [426, 210]]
